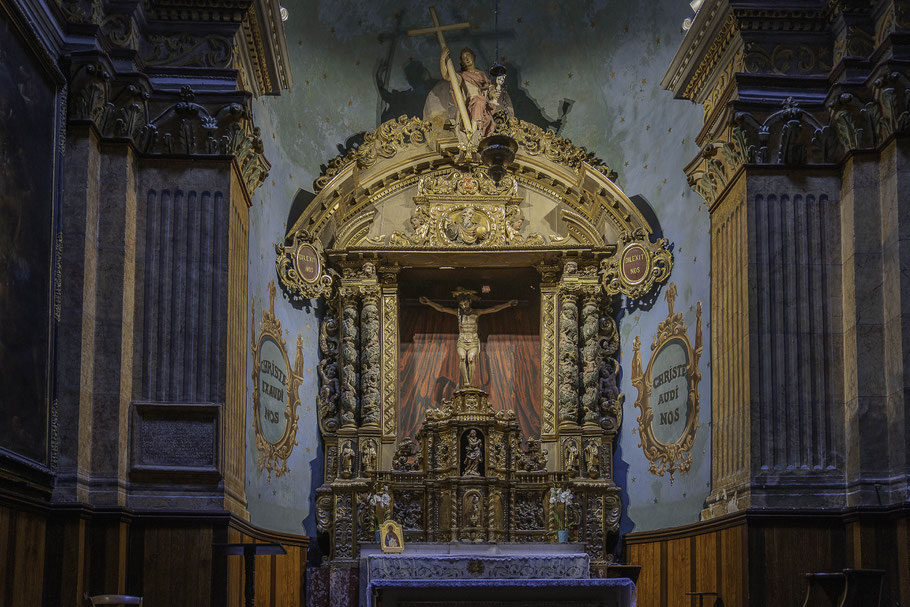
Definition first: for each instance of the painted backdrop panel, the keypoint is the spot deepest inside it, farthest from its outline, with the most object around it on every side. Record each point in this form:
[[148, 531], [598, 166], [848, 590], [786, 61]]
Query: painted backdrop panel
[[509, 366], [27, 153]]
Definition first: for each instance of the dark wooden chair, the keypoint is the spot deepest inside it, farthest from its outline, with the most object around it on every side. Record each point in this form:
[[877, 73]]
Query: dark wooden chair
[[864, 588], [824, 589], [848, 588]]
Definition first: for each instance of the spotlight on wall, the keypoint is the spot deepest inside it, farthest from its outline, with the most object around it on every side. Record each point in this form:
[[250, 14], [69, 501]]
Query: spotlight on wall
[[284, 14]]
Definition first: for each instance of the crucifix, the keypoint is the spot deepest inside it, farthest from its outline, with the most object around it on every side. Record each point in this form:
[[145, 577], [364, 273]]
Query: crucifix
[[456, 89]]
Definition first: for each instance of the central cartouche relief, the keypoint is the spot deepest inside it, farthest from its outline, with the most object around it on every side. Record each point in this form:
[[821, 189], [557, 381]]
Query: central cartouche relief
[[466, 209]]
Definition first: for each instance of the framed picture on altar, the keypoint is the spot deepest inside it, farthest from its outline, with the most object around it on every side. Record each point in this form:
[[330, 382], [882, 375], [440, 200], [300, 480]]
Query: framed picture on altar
[[391, 539]]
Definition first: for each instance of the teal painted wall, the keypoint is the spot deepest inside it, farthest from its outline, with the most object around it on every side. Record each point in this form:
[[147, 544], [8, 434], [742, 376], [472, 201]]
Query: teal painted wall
[[599, 64]]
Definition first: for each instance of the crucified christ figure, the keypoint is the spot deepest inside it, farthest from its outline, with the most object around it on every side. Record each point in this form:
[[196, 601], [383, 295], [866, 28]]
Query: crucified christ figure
[[468, 346]]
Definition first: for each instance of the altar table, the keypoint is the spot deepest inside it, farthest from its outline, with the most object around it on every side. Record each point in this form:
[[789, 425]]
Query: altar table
[[487, 575]]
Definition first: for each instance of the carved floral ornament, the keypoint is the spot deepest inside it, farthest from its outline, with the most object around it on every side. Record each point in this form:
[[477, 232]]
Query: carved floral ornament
[[668, 392], [275, 391]]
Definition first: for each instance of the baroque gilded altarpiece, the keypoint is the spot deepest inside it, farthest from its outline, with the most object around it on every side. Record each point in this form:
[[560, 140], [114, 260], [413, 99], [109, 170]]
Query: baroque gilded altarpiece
[[405, 200]]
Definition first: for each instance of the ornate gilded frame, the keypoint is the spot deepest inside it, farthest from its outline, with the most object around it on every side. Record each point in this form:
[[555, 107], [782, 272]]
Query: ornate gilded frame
[[384, 528], [273, 457], [676, 456], [658, 262], [293, 262]]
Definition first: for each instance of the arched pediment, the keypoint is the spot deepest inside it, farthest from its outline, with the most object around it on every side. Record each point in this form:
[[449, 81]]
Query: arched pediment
[[411, 188]]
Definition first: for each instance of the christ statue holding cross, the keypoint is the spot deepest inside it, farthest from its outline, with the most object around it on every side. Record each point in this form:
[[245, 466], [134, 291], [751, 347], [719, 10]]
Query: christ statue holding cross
[[475, 97], [468, 345]]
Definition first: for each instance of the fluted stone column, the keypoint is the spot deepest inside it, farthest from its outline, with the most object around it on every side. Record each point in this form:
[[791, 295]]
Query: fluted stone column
[[805, 191]]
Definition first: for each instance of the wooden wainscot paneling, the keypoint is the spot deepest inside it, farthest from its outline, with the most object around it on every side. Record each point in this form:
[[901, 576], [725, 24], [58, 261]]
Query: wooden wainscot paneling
[[762, 558], [22, 540], [280, 579]]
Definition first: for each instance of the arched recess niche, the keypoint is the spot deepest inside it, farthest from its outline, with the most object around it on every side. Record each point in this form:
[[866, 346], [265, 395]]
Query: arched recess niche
[[407, 213]]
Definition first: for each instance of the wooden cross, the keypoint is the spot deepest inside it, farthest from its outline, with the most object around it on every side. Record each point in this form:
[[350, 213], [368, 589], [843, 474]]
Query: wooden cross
[[438, 29]]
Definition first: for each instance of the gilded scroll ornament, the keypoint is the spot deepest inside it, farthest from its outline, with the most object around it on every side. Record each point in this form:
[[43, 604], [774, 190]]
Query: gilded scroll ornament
[[301, 266], [668, 425], [275, 391], [384, 142], [537, 141], [637, 266]]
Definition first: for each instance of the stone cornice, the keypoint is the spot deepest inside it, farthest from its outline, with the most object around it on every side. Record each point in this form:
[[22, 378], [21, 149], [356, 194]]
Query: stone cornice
[[696, 46], [125, 107], [217, 42], [792, 83]]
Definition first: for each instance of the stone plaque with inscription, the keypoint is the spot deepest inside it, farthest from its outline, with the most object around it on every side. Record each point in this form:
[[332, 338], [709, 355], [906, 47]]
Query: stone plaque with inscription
[[174, 441], [275, 391], [670, 391]]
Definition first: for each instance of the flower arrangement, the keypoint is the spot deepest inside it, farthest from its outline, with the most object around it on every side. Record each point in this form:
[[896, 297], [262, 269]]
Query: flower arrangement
[[564, 498], [380, 501]]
